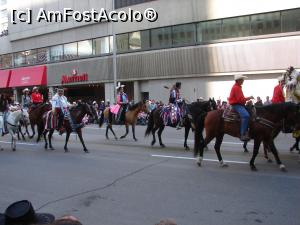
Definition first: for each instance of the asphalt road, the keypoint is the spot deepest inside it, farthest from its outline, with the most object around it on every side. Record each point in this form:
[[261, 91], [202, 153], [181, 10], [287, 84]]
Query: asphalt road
[[125, 182]]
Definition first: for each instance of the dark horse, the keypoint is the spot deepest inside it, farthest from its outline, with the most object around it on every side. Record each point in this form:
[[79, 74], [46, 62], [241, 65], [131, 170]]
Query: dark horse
[[267, 120], [193, 111], [36, 118], [130, 118], [77, 114]]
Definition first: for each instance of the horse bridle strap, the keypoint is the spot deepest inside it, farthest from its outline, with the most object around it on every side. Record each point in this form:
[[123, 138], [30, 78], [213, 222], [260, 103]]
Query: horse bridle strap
[[265, 122]]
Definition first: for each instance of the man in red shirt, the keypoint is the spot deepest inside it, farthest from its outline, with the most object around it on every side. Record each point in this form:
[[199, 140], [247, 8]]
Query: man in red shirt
[[278, 96], [36, 97], [237, 100]]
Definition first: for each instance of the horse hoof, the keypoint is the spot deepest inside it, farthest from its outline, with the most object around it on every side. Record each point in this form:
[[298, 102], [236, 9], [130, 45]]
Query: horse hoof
[[253, 168], [135, 139], [116, 138], [270, 161], [122, 137], [14, 149], [52, 148], [187, 148], [223, 165], [291, 149], [86, 151], [206, 149], [246, 150], [152, 143], [107, 138], [282, 168], [199, 164], [1, 149], [162, 145]]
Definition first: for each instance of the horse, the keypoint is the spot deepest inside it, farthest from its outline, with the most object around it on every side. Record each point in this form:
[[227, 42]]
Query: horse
[[13, 120], [130, 119], [36, 118], [23, 123], [267, 120], [77, 114], [193, 110]]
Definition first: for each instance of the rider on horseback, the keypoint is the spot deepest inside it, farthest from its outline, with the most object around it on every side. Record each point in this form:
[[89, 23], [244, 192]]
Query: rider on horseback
[[4, 107], [278, 96], [60, 107], [176, 100], [292, 85], [238, 101], [26, 99], [122, 101], [37, 97]]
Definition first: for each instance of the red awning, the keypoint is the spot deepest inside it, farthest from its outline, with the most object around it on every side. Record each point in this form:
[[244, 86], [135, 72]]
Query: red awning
[[4, 78], [28, 76]]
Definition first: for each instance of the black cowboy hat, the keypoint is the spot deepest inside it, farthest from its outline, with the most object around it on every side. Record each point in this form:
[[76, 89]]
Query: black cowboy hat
[[22, 213]]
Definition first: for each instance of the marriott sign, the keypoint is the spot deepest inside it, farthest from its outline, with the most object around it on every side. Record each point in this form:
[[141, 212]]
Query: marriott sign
[[74, 78]]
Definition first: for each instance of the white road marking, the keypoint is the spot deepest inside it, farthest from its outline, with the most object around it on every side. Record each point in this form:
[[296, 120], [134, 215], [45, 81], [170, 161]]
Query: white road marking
[[189, 158], [19, 143]]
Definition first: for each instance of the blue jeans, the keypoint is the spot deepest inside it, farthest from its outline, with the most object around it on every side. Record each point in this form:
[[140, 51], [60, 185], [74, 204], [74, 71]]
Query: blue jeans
[[244, 117]]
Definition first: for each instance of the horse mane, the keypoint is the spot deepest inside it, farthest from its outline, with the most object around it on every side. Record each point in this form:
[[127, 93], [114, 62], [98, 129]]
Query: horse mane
[[135, 106]]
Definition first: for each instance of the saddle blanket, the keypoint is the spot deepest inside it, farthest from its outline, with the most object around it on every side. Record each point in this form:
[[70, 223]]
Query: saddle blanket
[[51, 121], [170, 114]]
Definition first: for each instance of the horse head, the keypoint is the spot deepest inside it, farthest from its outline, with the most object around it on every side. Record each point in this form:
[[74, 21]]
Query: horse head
[[212, 104], [88, 109]]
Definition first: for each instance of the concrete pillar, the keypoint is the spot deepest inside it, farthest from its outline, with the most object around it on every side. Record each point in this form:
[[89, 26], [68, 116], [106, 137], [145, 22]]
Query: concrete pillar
[[109, 92], [136, 91]]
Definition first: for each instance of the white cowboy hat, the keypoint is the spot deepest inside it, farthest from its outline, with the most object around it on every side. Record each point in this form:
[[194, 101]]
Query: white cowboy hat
[[94, 102], [239, 77], [34, 88], [107, 100], [119, 85], [26, 89], [280, 78], [60, 90]]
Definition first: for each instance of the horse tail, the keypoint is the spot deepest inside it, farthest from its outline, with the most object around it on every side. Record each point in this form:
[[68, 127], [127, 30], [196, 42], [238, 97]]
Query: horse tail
[[104, 115], [150, 123]]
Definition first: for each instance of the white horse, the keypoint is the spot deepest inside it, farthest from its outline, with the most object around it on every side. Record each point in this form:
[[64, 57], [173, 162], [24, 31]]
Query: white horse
[[292, 82], [13, 121]]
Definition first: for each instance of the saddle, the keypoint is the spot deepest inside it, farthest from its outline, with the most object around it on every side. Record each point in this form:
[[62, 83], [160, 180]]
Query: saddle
[[230, 115]]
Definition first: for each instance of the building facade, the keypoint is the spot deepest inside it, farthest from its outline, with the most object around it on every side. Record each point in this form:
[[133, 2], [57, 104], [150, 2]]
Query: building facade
[[201, 43]]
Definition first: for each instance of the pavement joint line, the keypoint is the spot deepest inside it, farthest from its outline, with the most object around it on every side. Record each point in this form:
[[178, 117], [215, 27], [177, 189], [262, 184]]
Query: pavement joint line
[[189, 158], [19, 143]]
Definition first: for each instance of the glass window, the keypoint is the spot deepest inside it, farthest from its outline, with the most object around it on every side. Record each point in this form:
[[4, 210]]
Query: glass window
[[236, 27], [161, 37], [7, 61], [101, 46], [139, 40], [85, 48], [122, 42], [20, 59], [31, 57], [3, 15], [268, 23], [210, 30], [291, 20], [111, 44], [56, 53], [70, 50], [184, 34], [124, 3], [43, 55]]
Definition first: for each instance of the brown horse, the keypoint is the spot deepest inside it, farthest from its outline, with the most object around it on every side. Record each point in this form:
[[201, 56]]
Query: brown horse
[[77, 113], [130, 118], [267, 120], [36, 118]]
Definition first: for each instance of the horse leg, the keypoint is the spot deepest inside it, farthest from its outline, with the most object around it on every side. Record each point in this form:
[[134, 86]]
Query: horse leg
[[20, 130], [133, 132], [66, 143], [186, 135], [106, 132], [266, 150], [202, 143], [33, 131], [127, 130], [257, 143], [110, 127], [160, 130], [275, 153], [245, 146], [45, 138], [296, 145], [50, 139], [40, 132], [219, 140], [153, 134], [82, 141]]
